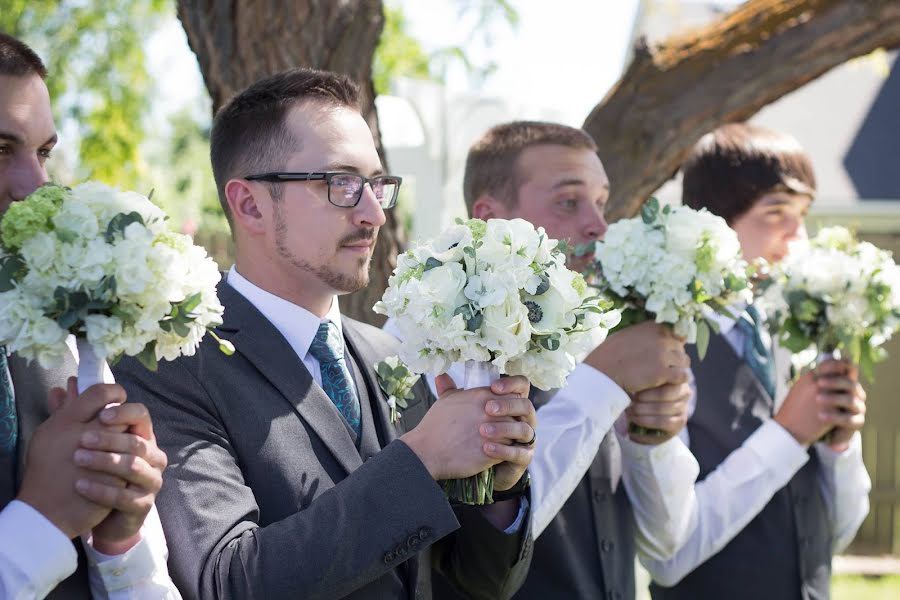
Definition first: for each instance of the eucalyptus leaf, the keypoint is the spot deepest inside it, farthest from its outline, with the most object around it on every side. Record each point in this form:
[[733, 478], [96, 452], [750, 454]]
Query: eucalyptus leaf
[[702, 338]]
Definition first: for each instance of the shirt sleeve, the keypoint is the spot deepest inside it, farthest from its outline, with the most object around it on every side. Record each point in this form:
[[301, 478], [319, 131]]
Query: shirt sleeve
[[139, 574], [659, 480], [569, 431], [35, 556], [730, 497], [845, 486]]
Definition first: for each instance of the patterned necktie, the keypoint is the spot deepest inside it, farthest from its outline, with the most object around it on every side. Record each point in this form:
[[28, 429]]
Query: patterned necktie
[[8, 423], [756, 353], [328, 348]]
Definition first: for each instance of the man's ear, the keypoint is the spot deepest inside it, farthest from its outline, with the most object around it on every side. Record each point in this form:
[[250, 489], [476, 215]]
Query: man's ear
[[244, 203], [488, 207]]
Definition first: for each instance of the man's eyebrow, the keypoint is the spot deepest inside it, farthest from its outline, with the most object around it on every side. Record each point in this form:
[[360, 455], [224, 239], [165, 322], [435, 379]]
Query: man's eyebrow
[[11, 137], [567, 181], [349, 168]]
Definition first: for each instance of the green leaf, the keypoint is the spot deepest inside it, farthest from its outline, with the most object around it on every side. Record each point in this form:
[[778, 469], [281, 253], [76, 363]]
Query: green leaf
[[11, 269], [702, 338], [118, 224], [147, 356], [191, 302], [650, 211], [474, 323], [433, 263], [543, 286]]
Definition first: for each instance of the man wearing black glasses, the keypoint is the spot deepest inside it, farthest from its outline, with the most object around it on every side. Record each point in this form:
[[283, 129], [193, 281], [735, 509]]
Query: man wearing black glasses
[[287, 478]]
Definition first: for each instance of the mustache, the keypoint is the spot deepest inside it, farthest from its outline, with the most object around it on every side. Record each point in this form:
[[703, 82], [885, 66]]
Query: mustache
[[363, 235]]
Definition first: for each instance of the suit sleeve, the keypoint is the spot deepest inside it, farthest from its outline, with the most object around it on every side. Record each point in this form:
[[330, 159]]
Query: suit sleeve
[[479, 560], [346, 538]]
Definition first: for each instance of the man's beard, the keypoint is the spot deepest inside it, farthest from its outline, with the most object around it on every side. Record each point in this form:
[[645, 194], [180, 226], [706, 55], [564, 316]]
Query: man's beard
[[334, 279]]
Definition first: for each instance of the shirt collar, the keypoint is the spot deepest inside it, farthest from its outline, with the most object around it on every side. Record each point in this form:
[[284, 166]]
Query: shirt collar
[[295, 323], [726, 323]]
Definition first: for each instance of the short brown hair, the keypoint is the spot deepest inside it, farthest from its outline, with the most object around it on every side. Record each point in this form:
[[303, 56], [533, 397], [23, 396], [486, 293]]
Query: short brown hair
[[248, 133], [18, 60], [731, 168], [491, 162]]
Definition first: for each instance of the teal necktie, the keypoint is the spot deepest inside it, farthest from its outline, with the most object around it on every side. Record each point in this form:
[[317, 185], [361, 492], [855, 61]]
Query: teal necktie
[[9, 427], [328, 348], [756, 354]]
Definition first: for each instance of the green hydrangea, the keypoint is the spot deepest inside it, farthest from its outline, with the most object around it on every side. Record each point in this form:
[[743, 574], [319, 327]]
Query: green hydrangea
[[30, 216], [579, 284], [477, 227]]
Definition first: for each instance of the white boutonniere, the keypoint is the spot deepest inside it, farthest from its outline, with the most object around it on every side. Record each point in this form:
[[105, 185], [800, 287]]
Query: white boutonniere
[[397, 381]]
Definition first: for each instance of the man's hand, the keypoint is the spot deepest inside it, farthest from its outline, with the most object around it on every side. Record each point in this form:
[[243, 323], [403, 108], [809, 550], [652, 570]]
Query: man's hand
[[126, 449], [508, 440], [448, 440], [641, 357], [49, 484], [841, 401], [663, 409], [800, 412]]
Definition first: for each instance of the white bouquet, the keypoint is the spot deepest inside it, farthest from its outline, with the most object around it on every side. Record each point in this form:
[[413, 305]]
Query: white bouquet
[[672, 264], [101, 264], [834, 294], [497, 296]]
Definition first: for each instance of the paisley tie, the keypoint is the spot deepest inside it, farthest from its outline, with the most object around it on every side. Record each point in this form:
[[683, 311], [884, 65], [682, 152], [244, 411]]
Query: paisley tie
[[328, 348]]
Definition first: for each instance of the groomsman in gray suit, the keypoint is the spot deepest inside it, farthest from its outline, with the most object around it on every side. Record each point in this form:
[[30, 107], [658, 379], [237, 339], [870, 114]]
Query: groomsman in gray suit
[[596, 493], [63, 469], [287, 478]]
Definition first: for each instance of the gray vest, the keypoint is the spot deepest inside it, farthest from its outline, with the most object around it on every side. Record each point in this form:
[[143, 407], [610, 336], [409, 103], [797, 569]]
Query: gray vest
[[587, 551], [31, 384], [785, 552]]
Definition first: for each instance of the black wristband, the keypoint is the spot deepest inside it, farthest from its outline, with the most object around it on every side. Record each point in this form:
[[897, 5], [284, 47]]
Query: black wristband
[[518, 489]]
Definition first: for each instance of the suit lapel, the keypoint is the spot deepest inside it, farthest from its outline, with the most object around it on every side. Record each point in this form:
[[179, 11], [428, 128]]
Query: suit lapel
[[31, 383], [366, 356], [263, 345]]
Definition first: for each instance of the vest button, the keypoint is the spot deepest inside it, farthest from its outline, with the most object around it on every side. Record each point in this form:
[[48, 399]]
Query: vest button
[[606, 545], [600, 496]]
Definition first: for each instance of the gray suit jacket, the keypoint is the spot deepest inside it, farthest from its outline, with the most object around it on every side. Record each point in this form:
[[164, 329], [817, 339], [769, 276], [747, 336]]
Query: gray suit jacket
[[32, 383], [266, 495]]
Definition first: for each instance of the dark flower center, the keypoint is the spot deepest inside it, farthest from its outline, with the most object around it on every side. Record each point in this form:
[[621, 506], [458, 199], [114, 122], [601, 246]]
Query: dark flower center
[[535, 314]]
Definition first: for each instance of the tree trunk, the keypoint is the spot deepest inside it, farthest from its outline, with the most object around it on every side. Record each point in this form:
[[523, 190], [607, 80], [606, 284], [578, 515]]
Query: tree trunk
[[674, 93], [238, 42]]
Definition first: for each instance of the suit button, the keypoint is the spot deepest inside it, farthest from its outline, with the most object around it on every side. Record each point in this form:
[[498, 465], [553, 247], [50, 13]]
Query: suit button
[[413, 541], [613, 595], [388, 558], [424, 533], [600, 496], [606, 545]]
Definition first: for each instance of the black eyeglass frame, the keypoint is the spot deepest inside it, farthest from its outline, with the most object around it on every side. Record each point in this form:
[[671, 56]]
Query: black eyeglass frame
[[327, 176]]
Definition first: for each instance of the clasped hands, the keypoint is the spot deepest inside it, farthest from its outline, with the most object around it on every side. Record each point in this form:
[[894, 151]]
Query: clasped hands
[[93, 467], [468, 431]]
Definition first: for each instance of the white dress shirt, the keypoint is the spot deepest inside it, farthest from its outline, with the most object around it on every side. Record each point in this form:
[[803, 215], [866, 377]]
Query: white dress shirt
[[570, 428], [740, 487], [296, 324], [35, 556]]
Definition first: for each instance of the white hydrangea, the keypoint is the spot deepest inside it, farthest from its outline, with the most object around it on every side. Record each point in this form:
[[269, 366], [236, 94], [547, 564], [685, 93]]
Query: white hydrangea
[[669, 264], [109, 270], [835, 293], [498, 292]]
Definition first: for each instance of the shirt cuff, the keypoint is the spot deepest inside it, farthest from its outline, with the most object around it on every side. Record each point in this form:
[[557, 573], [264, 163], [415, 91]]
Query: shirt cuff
[[121, 571], [777, 449], [589, 386], [35, 547], [520, 518], [833, 459]]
